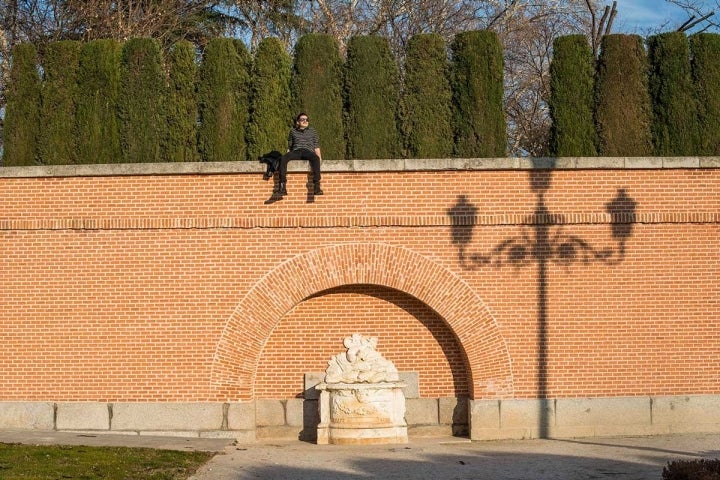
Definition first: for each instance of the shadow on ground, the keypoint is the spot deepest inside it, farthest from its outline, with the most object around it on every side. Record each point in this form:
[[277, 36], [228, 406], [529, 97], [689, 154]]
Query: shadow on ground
[[541, 459]]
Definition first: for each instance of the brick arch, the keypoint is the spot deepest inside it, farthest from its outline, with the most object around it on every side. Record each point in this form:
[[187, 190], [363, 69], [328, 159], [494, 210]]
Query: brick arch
[[250, 325]]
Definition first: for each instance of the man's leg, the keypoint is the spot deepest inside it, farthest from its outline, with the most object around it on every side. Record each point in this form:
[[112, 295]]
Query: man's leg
[[315, 167], [282, 176]]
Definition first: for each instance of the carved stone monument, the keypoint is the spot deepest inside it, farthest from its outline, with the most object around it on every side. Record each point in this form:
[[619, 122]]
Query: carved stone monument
[[361, 399]]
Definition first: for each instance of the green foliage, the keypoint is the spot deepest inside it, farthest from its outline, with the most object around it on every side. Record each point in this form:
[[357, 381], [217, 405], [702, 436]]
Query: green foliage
[[223, 101], [572, 82], [705, 51], [57, 143], [109, 463], [96, 120], [372, 99], [270, 117], [675, 128], [623, 111], [427, 99], [141, 107], [22, 111], [182, 108], [477, 80], [316, 87], [702, 469], [102, 102]]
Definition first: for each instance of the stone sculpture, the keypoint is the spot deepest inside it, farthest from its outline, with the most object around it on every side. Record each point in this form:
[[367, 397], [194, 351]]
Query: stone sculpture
[[361, 400], [361, 363]]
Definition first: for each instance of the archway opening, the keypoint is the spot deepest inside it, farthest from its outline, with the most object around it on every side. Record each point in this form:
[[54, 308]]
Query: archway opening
[[410, 334], [246, 334]]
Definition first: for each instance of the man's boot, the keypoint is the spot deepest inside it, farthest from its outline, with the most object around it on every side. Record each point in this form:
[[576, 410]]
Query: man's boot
[[281, 189], [317, 190]]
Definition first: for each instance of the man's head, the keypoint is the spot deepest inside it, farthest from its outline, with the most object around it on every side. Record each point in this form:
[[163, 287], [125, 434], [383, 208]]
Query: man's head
[[301, 121]]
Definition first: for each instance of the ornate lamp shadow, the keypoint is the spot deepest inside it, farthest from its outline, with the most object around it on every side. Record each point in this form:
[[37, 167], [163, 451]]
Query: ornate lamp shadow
[[543, 239], [464, 216]]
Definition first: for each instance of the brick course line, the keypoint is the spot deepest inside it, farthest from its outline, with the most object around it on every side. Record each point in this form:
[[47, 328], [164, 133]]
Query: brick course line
[[245, 223]]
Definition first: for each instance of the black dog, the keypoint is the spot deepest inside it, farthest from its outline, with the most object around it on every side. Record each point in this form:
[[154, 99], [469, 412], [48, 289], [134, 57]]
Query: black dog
[[272, 160]]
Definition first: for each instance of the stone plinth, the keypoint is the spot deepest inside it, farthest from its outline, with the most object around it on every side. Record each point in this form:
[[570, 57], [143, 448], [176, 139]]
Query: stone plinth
[[362, 413]]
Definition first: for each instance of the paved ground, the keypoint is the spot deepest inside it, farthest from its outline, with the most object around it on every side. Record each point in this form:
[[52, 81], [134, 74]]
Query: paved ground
[[625, 458], [448, 459]]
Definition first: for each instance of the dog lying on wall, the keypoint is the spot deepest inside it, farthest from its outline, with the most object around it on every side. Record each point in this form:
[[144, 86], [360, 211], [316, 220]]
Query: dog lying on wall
[[272, 160]]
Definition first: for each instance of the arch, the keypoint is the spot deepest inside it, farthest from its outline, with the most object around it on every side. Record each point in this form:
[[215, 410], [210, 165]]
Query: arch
[[247, 329]]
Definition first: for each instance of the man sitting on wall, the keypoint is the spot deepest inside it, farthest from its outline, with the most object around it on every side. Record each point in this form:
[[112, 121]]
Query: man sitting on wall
[[303, 144]]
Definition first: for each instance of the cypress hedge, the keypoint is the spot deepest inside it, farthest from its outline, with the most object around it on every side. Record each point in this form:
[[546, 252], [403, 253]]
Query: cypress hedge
[[477, 80], [316, 87], [182, 108], [141, 105], [427, 99], [666, 103], [572, 83], [57, 143], [96, 120], [705, 51], [674, 128], [623, 112], [372, 99], [223, 94], [22, 113], [270, 117]]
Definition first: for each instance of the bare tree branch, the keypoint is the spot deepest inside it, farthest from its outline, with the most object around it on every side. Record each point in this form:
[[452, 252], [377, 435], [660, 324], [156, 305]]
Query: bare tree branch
[[689, 24], [695, 9]]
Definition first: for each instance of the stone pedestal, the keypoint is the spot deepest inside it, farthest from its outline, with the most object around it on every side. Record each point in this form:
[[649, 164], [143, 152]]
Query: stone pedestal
[[362, 413]]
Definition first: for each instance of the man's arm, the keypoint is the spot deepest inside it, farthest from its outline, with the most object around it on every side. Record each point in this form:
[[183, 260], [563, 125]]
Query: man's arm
[[316, 141]]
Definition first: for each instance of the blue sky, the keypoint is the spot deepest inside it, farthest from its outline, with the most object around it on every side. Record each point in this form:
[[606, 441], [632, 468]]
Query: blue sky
[[637, 16]]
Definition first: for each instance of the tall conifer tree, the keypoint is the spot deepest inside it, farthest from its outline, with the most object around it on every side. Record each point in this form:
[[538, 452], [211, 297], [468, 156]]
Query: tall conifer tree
[[316, 86], [223, 101], [182, 109], [372, 98], [142, 102], [96, 118], [572, 82], [705, 52], [477, 80], [674, 128], [623, 111], [270, 116], [22, 112], [427, 99], [57, 145]]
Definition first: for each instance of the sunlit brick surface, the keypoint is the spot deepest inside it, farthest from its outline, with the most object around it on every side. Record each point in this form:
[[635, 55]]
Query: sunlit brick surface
[[501, 284]]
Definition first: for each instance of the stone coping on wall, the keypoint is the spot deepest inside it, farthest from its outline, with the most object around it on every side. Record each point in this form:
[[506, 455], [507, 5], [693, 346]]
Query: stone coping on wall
[[391, 165]]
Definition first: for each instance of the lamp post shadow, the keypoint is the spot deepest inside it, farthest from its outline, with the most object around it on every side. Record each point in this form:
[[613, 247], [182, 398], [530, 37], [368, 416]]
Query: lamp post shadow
[[545, 242]]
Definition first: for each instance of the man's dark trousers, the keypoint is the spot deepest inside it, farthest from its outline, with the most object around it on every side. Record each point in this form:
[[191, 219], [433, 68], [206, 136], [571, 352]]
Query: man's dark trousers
[[300, 154]]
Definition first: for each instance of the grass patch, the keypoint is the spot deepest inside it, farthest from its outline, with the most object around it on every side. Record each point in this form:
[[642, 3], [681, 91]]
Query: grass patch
[[57, 462]]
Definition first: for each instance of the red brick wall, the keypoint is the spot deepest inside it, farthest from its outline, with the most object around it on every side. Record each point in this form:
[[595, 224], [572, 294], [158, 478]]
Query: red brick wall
[[197, 288]]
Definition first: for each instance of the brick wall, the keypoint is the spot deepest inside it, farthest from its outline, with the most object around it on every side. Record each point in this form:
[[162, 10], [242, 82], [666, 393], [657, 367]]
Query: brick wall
[[407, 330], [189, 283]]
